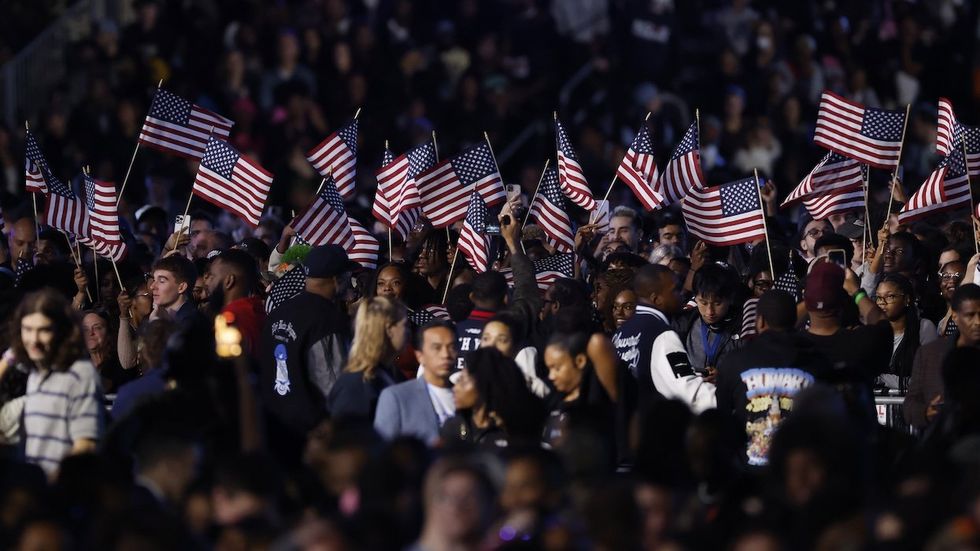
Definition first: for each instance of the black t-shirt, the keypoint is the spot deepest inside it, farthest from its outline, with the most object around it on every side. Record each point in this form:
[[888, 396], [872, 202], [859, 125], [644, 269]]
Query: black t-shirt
[[860, 354]]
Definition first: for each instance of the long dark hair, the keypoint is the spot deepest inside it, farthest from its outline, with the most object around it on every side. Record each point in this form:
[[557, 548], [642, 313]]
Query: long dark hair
[[68, 344], [501, 388], [901, 363]]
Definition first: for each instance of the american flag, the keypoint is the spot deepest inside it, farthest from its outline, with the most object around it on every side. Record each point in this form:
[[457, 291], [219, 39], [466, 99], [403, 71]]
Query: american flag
[[748, 317], [953, 134], [946, 188], [383, 208], [684, 168], [547, 270], [365, 249], [23, 267], [325, 219], [232, 181], [570, 175], [396, 181], [473, 240], [639, 170], [64, 210], [115, 252], [337, 156], [835, 202], [724, 215], [950, 132], [175, 125], [789, 282], [446, 188], [36, 169], [428, 314], [834, 186], [286, 287], [549, 209], [872, 136], [100, 199]]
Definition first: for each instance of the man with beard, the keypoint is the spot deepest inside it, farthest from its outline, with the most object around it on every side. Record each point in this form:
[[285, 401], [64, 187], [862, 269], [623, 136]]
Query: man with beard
[[231, 287], [304, 349]]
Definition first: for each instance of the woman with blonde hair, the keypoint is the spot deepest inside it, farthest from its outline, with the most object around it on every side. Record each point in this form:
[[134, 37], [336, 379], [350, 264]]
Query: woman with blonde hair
[[380, 334]]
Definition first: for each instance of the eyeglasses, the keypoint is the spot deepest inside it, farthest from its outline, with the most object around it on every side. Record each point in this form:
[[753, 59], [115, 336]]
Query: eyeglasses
[[895, 252], [762, 284], [888, 299], [950, 275]]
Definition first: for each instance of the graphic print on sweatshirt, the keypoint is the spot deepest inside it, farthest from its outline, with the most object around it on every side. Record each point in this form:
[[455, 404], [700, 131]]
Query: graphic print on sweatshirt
[[769, 395]]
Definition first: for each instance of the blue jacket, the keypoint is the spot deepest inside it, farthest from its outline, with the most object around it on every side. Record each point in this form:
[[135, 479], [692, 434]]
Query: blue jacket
[[405, 409]]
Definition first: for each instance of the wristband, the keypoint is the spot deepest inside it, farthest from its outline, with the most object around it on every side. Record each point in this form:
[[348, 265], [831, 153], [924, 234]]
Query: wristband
[[859, 295]]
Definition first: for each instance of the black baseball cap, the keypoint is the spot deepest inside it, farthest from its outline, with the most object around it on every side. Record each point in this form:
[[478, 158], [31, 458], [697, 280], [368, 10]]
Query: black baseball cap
[[328, 261], [852, 228]]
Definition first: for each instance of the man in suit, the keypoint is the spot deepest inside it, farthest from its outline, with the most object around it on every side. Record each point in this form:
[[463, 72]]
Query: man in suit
[[418, 408], [925, 397]]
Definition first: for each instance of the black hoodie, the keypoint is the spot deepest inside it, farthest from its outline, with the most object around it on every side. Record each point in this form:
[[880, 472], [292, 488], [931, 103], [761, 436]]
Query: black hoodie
[[756, 385]]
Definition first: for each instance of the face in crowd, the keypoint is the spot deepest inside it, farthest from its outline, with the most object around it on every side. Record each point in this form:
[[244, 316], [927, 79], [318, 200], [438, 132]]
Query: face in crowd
[[621, 228], [165, 289], [390, 283], [814, 230], [624, 306], [438, 354]]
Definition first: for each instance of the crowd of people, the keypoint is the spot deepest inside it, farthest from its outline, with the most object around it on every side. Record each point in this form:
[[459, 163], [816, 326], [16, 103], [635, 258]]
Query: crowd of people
[[667, 396], [231, 387]]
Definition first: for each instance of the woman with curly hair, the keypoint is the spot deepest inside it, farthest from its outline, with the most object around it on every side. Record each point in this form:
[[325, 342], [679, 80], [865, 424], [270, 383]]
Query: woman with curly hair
[[494, 407], [63, 413]]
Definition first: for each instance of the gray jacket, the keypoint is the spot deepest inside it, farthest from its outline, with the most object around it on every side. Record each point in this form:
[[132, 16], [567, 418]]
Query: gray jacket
[[405, 409]]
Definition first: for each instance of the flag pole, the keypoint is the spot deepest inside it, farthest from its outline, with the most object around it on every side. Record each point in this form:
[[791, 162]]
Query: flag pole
[[867, 216], [765, 227], [531, 204], [78, 263], [901, 145], [973, 207], [122, 288], [449, 277], [435, 145], [37, 220], [133, 158]]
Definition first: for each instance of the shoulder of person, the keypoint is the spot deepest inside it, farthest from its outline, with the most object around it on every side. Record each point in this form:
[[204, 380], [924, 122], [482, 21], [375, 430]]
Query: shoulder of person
[[83, 367]]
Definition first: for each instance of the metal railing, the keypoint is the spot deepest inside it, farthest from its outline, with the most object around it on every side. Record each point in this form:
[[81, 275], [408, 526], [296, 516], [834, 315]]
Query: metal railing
[[27, 80]]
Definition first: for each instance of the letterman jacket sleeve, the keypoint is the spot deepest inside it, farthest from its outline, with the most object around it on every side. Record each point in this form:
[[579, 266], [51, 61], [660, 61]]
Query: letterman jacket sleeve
[[674, 377]]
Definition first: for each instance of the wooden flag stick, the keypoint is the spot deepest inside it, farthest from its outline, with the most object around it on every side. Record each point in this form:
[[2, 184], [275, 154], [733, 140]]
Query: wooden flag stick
[[122, 288], [133, 158], [389, 246], [435, 145], [867, 217], [187, 208], [449, 278], [531, 204], [765, 228], [973, 207], [37, 219], [95, 267], [356, 113], [901, 145], [78, 263], [487, 138]]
